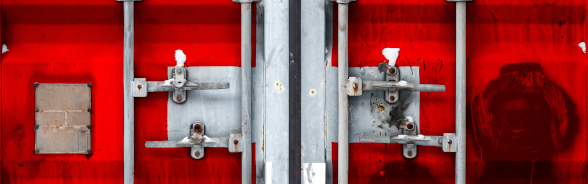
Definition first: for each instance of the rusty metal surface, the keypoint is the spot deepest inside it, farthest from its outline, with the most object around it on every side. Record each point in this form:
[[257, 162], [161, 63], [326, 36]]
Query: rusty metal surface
[[63, 118], [371, 115]]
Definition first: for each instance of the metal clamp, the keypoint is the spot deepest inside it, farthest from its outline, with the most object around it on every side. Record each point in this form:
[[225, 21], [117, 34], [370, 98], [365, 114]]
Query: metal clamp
[[409, 138], [391, 84], [197, 141], [178, 84], [447, 141]]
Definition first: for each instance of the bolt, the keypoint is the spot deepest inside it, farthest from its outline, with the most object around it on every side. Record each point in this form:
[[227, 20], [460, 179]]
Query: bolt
[[392, 71], [179, 98], [36, 109], [197, 127], [89, 109], [90, 85], [410, 126], [197, 154], [139, 86], [449, 142], [409, 153], [236, 141], [392, 98]]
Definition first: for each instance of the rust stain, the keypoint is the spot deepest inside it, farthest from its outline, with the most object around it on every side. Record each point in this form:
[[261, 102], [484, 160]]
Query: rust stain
[[278, 86], [381, 107], [312, 92], [236, 144], [198, 129]]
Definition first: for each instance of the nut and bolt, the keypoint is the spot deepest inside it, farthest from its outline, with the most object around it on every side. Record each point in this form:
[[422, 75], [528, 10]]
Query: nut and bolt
[[410, 126], [236, 141], [179, 98], [392, 98], [392, 71], [139, 86], [197, 154]]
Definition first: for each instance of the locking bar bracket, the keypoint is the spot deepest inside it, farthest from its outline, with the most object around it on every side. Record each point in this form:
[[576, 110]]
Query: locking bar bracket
[[177, 84], [197, 141], [391, 84]]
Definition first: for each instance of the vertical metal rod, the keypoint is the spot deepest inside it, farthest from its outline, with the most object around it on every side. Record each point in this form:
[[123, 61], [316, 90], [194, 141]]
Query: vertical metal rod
[[343, 98], [246, 92], [129, 107], [460, 93]]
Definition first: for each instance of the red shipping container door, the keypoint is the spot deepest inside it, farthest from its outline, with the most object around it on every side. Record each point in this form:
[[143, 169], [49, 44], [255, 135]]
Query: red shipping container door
[[62, 41], [526, 88]]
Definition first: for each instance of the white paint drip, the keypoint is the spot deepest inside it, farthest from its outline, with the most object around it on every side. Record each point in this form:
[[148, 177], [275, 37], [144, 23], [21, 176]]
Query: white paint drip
[[180, 58], [410, 119], [391, 54], [4, 48], [581, 45], [314, 173], [402, 84], [185, 140], [168, 82], [268, 172]]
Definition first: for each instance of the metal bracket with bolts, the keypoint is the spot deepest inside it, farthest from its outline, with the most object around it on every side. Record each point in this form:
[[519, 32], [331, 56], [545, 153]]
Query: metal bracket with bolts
[[178, 84], [197, 141], [447, 141], [391, 84], [409, 137]]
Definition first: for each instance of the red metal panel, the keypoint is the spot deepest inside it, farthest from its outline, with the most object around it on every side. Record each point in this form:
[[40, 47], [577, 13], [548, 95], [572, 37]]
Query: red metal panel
[[526, 88], [82, 41]]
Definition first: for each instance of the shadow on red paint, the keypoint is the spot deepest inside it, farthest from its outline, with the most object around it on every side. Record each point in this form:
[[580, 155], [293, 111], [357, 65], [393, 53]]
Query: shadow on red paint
[[521, 122]]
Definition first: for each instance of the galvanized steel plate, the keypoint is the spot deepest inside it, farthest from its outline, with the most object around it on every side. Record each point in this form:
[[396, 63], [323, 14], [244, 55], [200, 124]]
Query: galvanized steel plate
[[370, 113], [219, 110], [62, 118]]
